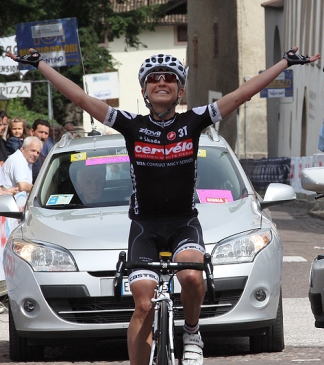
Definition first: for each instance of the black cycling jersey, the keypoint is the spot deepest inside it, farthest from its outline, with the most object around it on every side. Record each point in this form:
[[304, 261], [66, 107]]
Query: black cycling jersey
[[163, 156]]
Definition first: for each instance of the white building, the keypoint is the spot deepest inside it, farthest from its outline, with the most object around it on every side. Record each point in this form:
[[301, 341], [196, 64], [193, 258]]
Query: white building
[[294, 123]]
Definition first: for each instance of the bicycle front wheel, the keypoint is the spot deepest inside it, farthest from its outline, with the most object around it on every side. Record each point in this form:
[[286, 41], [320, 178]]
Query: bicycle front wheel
[[163, 356]]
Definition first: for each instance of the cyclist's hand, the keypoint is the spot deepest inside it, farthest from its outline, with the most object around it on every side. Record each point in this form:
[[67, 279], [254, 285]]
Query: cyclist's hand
[[294, 58], [32, 59]]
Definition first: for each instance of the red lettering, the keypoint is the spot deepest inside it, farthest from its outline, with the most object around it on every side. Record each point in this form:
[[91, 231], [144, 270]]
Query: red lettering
[[171, 151]]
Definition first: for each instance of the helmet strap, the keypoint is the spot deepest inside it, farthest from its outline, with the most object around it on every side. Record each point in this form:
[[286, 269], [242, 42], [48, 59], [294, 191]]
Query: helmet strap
[[160, 115]]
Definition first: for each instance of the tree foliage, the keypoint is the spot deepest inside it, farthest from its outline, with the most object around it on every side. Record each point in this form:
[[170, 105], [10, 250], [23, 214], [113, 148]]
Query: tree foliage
[[95, 19]]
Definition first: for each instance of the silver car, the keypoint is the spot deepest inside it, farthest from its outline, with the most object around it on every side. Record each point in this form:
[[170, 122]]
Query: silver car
[[60, 261], [312, 179]]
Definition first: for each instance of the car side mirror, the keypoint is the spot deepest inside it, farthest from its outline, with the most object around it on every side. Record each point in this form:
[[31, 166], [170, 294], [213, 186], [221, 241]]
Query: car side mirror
[[9, 207], [278, 193], [312, 178]]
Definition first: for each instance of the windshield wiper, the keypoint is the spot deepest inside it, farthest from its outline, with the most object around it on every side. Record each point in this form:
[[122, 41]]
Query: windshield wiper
[[66, 206]]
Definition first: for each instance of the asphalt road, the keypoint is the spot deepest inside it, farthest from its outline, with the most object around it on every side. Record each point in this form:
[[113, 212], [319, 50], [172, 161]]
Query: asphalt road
[[302, 235]]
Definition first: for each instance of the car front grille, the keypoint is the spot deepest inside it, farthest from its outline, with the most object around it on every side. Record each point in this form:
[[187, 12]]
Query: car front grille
[[81, 308]]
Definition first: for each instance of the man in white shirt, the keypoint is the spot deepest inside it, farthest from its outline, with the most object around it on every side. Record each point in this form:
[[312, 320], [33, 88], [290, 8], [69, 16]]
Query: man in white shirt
[[17, 170]]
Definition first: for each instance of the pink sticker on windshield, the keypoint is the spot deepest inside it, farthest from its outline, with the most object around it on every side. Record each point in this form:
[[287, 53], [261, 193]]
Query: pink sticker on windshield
[[210, 196], [107, 160]]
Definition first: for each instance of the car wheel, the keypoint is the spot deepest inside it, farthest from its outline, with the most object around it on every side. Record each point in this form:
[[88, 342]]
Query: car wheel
[[273, 340], [19, 349]]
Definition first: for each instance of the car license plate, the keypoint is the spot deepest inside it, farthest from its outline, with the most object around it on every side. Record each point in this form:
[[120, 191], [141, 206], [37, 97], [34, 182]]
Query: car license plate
[[125, 288]]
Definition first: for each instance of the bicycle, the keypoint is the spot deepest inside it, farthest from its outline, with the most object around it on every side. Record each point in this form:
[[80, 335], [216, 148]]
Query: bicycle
[[162, 350]]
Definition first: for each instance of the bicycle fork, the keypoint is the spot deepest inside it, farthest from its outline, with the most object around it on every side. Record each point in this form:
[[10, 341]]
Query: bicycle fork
[[163, 297]]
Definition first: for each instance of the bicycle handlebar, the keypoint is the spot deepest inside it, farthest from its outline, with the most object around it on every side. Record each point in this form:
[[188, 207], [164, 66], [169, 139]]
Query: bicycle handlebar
[[206, 266]]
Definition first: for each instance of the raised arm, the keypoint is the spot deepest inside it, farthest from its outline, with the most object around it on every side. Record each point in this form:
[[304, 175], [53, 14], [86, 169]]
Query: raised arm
[[95, 107], [229, 102]]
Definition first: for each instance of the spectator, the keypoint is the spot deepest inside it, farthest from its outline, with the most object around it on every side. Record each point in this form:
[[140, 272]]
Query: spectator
[[90, 182], [3, 190], [17, 132], [58, 132], [69, 127], [17, 170], [3, 127], [11, 191], [41, 129]]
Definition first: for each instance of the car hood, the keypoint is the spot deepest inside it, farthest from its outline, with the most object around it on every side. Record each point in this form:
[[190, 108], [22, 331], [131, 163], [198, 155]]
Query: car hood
[[220, 221], [108, 228]]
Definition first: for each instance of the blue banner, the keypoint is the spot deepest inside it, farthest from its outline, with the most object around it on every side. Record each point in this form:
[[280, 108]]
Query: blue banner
[[281, 87], [56, 40]]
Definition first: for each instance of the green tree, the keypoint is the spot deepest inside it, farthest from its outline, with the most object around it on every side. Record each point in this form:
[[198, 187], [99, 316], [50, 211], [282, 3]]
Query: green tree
[[95, 19]]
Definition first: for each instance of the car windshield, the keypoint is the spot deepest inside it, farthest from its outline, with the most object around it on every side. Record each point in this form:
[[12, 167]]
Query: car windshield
[[218, 179], [101, 177]]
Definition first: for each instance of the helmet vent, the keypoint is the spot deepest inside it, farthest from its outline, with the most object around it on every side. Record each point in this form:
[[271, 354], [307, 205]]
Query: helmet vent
[[162, 62]]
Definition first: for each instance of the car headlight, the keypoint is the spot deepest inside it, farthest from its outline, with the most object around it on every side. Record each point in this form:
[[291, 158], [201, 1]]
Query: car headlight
[[241, 248], [44, 257]]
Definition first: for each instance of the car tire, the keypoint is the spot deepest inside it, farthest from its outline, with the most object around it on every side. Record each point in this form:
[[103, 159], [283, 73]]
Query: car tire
[[19, 349], [273, 340]]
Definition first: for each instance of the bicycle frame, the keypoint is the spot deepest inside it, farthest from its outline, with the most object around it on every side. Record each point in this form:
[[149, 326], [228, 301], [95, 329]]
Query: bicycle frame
[[163, 300], [162, 292]]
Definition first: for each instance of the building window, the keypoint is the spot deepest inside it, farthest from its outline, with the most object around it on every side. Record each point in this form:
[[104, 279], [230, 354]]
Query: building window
[[182, 33]]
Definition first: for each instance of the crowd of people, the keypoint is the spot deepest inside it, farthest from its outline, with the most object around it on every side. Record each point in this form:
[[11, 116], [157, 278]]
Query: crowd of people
[[23, 149]]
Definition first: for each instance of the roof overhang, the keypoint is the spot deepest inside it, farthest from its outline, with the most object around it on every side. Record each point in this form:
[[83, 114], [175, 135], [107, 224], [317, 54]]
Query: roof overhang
[[273, 4]]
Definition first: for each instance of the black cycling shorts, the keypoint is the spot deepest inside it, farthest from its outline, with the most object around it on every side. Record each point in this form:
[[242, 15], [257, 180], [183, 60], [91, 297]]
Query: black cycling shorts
[[149, 237]]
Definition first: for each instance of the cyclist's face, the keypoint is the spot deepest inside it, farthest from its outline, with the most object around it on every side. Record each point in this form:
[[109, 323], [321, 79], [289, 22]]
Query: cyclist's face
[[163, 93]]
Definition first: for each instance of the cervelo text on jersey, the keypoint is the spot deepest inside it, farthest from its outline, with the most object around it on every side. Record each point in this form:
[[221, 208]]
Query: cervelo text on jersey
[[168, 152]]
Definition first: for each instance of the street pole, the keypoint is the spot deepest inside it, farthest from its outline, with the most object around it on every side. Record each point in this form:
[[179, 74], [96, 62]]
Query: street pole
[[245, 79], [50, 112], [50, 102], [245, 129]]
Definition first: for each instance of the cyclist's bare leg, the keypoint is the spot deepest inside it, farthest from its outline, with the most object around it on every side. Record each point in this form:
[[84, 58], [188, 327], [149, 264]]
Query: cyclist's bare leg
[[192, 284], [192, 296], [139, 336]]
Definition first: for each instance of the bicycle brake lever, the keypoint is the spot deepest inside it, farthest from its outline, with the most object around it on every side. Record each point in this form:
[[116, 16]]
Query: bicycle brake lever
[[209, 268], [118, 280]]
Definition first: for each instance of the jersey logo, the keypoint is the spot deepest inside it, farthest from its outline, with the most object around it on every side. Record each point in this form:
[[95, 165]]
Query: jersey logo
[[171, 136], [150, 133], [171, 151]]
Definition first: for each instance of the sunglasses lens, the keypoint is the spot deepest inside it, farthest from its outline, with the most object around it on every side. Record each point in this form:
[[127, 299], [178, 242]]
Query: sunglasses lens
[[151, 79], [170, 77], [154, 78]]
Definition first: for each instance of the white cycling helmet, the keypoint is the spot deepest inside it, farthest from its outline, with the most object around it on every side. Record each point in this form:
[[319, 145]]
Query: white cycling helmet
[[162, 62]]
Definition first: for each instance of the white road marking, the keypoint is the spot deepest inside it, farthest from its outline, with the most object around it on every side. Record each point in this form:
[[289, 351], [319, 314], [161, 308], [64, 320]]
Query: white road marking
[[294, 259]]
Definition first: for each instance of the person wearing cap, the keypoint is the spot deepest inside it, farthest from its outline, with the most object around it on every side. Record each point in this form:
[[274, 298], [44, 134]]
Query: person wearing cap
[[162, 148]]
